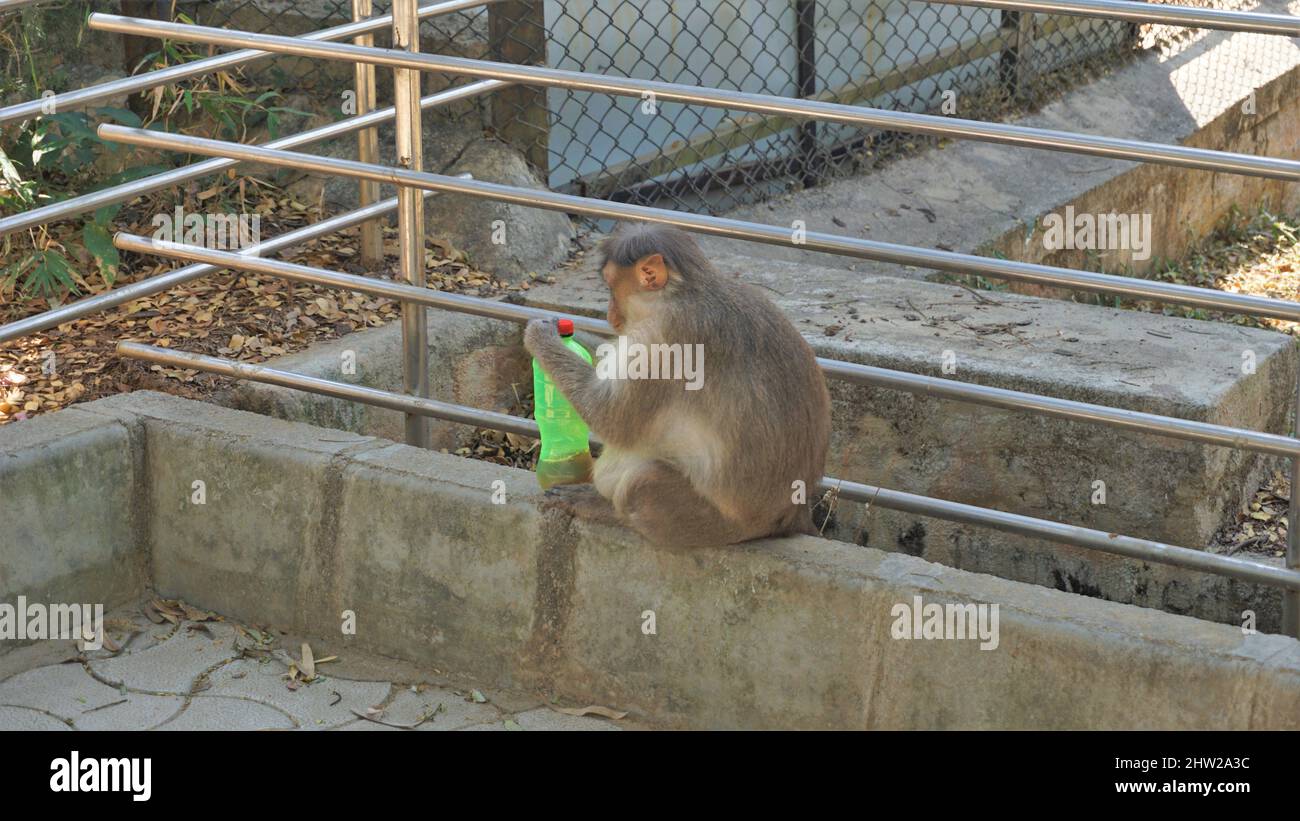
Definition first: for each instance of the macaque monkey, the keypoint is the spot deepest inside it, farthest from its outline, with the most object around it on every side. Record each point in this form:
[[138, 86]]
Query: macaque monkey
[[738, 457]]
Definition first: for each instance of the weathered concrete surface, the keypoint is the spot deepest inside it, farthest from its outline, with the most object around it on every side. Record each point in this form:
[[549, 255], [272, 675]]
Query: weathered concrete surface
[[470, 572], [291, 532], [990, 199], [779, 633], [297, 529], [473, 361], [72, 530], [739, 641], [205, 676], [218, 504], [1156, 487]]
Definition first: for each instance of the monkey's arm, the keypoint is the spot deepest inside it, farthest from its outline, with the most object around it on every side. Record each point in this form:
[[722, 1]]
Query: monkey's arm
[[597, 400]]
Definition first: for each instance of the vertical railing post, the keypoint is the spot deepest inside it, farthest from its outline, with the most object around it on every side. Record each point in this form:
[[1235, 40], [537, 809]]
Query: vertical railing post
[[1025, 54], [372, 236], [410, 218], [1016, 66], [1291, 598], [805, 12], [517, 34]]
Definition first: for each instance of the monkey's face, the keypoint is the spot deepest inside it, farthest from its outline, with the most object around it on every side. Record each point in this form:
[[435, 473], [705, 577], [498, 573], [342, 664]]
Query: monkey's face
[[617, 278], [634, 290]]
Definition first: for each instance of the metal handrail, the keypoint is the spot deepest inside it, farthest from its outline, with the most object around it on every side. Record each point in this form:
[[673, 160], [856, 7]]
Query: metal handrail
[[411, 295], [163, 282], [86, 203], [1202, 432], [1129, 546], [1184, 16], [165, 76], [952, 261], [859, 116]]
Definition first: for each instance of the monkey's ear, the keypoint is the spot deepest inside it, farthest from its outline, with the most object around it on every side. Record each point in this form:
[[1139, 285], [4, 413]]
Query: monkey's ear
[[651, 272]]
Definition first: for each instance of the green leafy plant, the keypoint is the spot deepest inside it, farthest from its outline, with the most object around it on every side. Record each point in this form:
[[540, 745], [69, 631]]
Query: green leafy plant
[[53, 157], [49, 159], [221, 97]]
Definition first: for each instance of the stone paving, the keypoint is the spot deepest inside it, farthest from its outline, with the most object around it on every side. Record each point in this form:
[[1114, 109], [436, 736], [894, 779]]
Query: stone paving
[[212, 675]]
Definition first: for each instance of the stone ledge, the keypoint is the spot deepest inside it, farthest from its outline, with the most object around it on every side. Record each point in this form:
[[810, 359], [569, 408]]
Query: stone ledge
[[70, 530], [777, 633]]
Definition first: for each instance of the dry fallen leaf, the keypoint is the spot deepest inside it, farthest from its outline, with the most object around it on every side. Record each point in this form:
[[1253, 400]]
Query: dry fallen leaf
[[308, 663], [195, 614], [246, 316], [152, 614]]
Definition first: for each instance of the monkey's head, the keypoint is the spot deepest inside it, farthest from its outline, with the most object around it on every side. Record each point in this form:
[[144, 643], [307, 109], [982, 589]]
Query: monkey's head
[[645, 265]]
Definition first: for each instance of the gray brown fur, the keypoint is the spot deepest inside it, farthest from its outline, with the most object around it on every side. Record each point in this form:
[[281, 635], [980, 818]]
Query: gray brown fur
[[763, 411]]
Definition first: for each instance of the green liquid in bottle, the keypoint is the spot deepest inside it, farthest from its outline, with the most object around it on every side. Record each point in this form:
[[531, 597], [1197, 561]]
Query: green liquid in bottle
[[565, 458]]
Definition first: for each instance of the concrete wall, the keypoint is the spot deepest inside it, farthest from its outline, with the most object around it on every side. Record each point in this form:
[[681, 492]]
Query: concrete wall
[[73, 528], [303, 523]]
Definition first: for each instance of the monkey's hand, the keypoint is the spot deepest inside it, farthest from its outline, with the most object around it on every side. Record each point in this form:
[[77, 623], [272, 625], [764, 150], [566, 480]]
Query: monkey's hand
[[573, 375], [541, 335]]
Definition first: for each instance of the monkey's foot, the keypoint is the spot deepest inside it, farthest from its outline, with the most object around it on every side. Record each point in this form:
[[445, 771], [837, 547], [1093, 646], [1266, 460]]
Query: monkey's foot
[[580, 502]]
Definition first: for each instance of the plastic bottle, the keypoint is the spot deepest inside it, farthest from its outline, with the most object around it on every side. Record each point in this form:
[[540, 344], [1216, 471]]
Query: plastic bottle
[[566, 457]]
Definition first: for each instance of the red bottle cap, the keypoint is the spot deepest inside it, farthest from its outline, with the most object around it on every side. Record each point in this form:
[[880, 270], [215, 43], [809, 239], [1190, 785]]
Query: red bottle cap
[[565, 327]]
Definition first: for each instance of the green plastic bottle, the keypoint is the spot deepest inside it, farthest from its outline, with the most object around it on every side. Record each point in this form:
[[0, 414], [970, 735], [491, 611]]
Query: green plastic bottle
[[566, 457]]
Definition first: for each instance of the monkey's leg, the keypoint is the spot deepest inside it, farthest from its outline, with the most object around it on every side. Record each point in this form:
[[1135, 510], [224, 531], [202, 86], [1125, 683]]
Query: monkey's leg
[[663, 506]]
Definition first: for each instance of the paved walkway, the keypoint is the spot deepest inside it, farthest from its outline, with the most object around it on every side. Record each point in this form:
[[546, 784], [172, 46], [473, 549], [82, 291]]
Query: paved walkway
[[214, 675]]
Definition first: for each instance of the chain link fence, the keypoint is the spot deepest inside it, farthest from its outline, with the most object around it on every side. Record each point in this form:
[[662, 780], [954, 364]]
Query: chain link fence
[[903, 55]]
